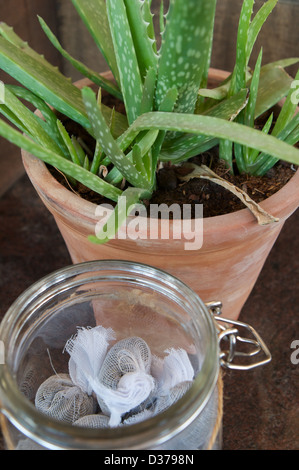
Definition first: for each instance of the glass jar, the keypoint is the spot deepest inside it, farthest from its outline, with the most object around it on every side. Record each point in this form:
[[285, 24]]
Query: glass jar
[[134, 300]]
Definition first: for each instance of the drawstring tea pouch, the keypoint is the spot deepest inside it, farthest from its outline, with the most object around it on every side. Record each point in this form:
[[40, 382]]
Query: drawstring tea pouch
[[113, 385]]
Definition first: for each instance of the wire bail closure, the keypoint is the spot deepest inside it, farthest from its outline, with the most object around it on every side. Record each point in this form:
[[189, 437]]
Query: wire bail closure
[[231, 341]]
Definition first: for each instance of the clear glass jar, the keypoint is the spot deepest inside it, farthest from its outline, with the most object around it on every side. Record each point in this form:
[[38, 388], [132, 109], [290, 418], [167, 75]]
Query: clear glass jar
[[133, 300]]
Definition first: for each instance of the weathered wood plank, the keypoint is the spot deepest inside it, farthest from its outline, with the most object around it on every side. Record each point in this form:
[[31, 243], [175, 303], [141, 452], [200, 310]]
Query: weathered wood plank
[[22, 15]]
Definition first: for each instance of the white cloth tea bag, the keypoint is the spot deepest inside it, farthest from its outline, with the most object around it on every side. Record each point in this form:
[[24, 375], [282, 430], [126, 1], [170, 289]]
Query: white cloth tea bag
[[59, 398]]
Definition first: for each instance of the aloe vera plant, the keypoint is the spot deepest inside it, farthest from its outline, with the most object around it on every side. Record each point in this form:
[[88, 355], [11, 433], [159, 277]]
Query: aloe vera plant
[[171, 115]]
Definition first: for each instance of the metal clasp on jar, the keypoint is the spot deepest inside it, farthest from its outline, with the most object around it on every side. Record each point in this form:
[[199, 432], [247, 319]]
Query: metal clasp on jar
[[231, 340]]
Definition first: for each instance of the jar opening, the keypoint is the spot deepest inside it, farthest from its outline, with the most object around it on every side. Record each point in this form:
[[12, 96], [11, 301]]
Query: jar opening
[[134, 300]]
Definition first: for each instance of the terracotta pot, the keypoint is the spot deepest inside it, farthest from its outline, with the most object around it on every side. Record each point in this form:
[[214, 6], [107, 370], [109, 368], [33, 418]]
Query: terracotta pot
[[225, 268]]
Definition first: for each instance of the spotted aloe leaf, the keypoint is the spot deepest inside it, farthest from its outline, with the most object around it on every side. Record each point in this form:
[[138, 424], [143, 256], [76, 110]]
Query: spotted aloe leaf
[[144, 45], [30, 121], [238, 80], [217, 128], [46, 81], [257, 24], [66, 166], [94, 15], [49, 121], [8, 33], [82, 68], [185, 51], [130, 77], [43, 80], [124, 163], [248, 32], [129, 199], [188, 146]]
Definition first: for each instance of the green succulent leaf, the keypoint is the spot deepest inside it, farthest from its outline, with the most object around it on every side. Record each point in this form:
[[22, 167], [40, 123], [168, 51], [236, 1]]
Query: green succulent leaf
[[69, 144], [130, 77], [30, 121], [238, 80], [8, 33], [94, 15], [49, 121], [148, 94], [110, 146], [188, 146], [274, 84], [257, 24], [143, 44], [217, 128], [149, 20], [289, 107], [57, 161], [185, 51], [83, 69], [43, 80], [126, 203]]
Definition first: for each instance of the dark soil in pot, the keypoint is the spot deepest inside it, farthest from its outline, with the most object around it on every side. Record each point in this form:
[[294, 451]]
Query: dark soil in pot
[[171, 190]]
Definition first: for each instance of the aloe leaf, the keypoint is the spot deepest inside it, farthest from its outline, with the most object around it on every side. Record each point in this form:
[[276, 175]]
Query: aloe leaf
[[94, 15], [8, 33], [188, 146], [49, 84], [148, 94], [161, 18], [79, 152], [239, 74], [10, 116], [283, 63], [265, 162], [111, 148], [50, 119], [83, 69], [185, 51], [130, 78], [69, 144], [253, 154], [257, 24], [274, 84], [143, 44], [289, 107], [30, 121], [254, 88], [45, 81], [217, 128], [148, 18], [226, 152], [126, 203], [66, 166]]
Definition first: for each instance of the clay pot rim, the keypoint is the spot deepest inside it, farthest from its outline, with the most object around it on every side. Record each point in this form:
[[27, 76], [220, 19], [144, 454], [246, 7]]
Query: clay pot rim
[[59, 195]]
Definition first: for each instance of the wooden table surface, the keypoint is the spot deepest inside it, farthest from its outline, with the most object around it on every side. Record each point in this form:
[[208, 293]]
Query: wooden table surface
[[261, 406]]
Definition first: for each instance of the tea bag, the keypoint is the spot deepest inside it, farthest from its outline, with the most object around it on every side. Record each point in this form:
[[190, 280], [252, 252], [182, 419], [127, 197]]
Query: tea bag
[[95, 421], [59, 398], [124, 380], [87, 350], [173, 369]]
